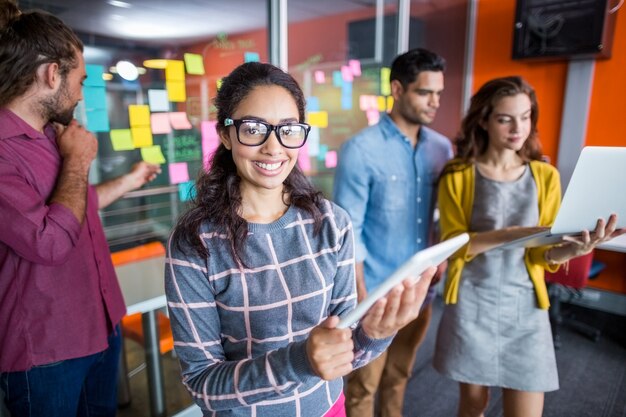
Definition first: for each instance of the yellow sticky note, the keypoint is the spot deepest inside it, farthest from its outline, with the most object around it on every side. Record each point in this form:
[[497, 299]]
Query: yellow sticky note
[[175, 70], [122, 140], [142, 136], [153, 154], [139, 115], [381, 103], [385, 86], [194, 64], [318, 118], [389, 103], [176, 91]]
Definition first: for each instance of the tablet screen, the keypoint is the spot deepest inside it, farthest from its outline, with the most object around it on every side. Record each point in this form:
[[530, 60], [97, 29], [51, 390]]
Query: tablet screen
[[416, 265]]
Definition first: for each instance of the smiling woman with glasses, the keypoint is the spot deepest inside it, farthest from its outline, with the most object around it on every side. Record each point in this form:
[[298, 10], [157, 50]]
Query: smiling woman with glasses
[[262, 266]]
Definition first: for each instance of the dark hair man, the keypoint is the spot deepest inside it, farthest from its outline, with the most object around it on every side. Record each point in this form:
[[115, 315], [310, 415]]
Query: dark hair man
[[386, 180], [60, 303]]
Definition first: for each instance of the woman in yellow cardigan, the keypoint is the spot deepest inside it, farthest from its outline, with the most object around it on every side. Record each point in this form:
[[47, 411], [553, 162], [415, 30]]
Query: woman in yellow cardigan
[[495, 329]]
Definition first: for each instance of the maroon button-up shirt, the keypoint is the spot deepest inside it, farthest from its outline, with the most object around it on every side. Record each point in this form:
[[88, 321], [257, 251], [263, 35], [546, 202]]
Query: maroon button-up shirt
[[59, 296]]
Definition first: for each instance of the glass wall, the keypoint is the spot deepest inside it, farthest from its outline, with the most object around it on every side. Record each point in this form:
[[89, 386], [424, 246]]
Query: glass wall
[[158, 105], [153, 71]]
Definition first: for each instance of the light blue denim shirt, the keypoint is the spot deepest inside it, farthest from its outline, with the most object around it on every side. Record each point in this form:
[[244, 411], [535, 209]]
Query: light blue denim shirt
[[388, 188]]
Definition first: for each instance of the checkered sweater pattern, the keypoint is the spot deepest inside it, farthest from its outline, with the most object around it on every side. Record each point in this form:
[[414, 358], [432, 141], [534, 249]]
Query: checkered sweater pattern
[[240, 334]]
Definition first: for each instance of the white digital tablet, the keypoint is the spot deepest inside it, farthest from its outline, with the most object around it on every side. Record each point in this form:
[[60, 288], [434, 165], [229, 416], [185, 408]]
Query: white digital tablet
[[416, 265]]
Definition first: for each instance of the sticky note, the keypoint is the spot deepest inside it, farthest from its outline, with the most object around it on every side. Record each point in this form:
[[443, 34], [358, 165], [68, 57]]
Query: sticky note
[[194, 64], [158, 100], [313, 104], [346, 95], [355, 67], [331, 159], [122, 140], [179, 172], [139, 115], [251, 57], [98, 120], [175, 70], [153, 154], [346, 73], [337, 78], [94, 98], [160, 123], [321, 156], [176, 91], [142, 136], [94, 76], [304, 161], [389, 103], [373, 116], [320, 77], [186, 191], [367, 102], [179, 120], [385, 86], [318, 118], [381, 103], [210, 140], [313, 141]]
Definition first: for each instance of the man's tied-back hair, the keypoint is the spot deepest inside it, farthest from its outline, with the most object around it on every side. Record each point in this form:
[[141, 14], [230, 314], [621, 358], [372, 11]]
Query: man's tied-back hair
[[28, 40]]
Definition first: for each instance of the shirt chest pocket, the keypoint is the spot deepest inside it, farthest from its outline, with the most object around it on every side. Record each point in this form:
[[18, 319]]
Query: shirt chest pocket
[[389, 192]]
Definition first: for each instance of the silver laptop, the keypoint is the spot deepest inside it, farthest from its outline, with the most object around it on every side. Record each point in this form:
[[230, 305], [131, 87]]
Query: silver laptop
[[596, 190]]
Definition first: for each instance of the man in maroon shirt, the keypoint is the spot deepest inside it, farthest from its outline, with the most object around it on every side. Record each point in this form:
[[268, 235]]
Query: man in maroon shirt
[[60, 303]]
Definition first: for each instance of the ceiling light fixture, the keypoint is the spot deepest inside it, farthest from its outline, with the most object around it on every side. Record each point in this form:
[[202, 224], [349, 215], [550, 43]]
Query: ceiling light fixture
[[155, 63], [127, 70], [121, 4]]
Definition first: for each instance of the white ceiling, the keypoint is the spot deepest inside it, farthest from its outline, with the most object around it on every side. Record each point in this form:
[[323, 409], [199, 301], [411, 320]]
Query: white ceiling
[[178, 22]]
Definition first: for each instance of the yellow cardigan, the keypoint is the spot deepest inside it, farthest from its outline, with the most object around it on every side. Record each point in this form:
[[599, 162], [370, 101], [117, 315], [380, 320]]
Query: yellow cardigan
[[456, 198]]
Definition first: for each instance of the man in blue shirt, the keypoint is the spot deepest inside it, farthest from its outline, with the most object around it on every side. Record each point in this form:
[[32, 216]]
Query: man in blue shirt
[[386, 179]]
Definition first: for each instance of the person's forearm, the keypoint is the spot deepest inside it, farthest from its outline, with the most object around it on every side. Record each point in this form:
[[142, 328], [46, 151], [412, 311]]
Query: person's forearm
[[361, 290], [71, 189], [109, 191]]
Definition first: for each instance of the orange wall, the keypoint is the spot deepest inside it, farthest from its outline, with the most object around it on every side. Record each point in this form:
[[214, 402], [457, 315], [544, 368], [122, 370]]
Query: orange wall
[[494, 41], [607, 122]]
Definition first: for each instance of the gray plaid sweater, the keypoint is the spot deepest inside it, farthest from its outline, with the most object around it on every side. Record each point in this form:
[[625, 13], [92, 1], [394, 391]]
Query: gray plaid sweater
[[240, 335]]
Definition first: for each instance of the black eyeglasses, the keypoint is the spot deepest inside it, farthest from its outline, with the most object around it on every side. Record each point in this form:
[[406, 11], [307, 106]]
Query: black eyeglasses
[[252, 132]]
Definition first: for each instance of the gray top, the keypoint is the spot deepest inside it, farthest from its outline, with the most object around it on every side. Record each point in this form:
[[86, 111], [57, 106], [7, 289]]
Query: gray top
[[240, 333], [496, 335]]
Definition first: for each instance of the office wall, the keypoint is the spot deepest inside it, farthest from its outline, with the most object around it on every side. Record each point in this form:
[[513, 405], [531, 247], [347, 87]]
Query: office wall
[[607, 124]]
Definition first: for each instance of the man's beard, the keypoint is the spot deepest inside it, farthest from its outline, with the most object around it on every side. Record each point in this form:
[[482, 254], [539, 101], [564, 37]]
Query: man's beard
[[52, 107]]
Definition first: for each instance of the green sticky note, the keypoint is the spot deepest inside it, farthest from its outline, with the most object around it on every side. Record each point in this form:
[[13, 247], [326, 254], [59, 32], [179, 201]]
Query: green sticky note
[[194, 64], [385, 86], [153, 154], [122, 140]]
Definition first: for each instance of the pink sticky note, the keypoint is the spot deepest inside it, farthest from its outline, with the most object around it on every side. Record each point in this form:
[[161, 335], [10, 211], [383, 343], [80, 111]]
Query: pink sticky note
[[373, 116], [331, 159], [179, 172], [210, 140], [355, 67], [320, 77], [179, 120], [160, 123], [346, 73], [304, 161]]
